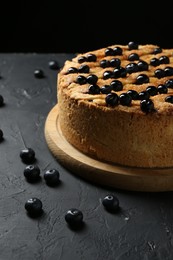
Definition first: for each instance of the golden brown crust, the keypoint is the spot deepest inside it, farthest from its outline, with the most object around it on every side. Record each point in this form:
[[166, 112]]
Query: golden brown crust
[[120, 134]]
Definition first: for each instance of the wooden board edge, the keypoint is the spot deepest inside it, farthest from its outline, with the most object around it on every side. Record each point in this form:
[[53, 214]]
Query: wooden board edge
[[127, 178]]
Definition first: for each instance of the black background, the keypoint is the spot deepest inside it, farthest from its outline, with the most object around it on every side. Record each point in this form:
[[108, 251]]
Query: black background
[[80, 26]]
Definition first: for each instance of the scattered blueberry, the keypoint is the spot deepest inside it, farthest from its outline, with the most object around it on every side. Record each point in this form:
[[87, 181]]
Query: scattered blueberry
[[81, 80], [104, 63], [115, 62], [1, 101], [53, 64], [157, 50], [91, 57], [119, 72], [169, 83], [159, 73], [1, 135], [74, 217], [34, 206], [164, 60], [109, 52], [131, 67], [52, 177], [162, 89], [125, 99], [38, 73], [107, 74], [169, 99], [112, 99], [133, 93], [94, 89], [141, 79], [32, 172], [144, 95], [110, 202], [142, 65], [27, 155], [72, 70], [83, 69], [133, 45], [117, 51], [133, 56], [154, 62], [116, 85], [82, 59], [168, 71], [106, 89], [92, 79], [152, 90], [147, 106]]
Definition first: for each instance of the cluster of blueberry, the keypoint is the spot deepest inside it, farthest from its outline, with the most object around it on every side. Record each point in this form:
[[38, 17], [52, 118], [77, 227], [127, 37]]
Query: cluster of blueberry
[[136, 64], [32, 173], [34, 206]]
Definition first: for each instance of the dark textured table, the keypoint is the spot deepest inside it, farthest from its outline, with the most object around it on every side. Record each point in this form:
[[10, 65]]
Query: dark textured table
[[143, 227]]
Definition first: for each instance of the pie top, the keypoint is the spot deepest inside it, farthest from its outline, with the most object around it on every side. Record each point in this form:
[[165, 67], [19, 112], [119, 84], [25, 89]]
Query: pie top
[[133, 78]]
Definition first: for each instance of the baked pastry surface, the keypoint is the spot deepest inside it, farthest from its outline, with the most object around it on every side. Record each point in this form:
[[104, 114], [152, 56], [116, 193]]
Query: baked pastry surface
[[116, 104]]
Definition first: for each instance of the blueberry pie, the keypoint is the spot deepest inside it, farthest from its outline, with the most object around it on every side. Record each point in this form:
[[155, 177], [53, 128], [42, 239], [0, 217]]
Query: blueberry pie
[[115, 104]]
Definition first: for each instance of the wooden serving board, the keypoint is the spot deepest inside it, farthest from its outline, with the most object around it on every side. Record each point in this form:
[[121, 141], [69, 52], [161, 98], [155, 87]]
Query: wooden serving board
[[97, 172]]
